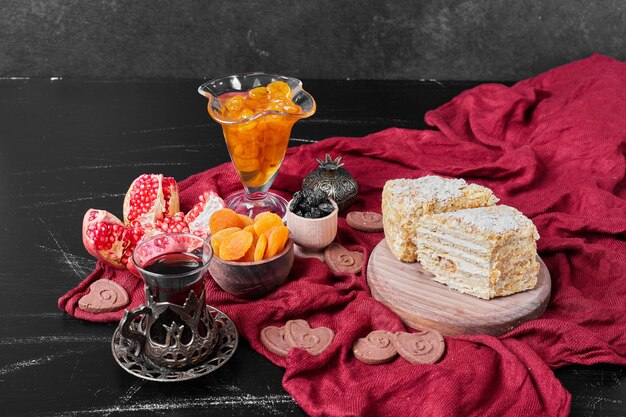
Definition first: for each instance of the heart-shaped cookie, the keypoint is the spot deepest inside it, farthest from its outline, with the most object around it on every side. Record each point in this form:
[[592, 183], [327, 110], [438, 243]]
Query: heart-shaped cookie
[[299, 334], [273, 338], [423, 347], [104, 296], [365, 221], [376, 348], [342, 261]]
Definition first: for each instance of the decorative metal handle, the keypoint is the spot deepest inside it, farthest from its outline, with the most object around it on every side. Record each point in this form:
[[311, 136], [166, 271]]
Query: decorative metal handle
[[129, 316]]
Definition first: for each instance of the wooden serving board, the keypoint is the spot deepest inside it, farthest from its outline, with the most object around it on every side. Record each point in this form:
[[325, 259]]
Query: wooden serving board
[[422, 303]]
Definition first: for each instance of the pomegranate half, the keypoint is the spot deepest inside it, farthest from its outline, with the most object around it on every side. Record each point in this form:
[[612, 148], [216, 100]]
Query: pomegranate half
[[105, 237], [151, 197]]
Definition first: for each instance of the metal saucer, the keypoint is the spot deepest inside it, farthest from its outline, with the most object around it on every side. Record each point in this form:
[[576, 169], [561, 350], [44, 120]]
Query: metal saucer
[[129, 354]]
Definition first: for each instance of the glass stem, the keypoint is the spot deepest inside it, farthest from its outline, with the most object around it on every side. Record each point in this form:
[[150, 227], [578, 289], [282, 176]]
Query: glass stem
[[256, 196]]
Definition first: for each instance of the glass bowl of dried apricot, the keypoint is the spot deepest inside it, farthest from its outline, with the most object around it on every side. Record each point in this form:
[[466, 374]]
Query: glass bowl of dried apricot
[[256, 112], [252, 256]]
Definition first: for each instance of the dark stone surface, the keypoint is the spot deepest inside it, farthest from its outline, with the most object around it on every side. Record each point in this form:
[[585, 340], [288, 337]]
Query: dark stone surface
[[70, 145], [404, 39]]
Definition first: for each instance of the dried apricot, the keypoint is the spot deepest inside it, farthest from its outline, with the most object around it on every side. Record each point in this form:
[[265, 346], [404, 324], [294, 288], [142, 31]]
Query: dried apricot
[[251, 230], [218, 237], [235, 103], [276, 240], [261, 245], [249, 256], [279, 89], [223, 219], [245, 113], [255, 237], [257, 93], [266, 221], [235, 246], [247, 165], [246, 151], [247, 221]]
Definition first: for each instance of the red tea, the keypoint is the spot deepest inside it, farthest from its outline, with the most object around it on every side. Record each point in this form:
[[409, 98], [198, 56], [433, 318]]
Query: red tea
[[177, 277]]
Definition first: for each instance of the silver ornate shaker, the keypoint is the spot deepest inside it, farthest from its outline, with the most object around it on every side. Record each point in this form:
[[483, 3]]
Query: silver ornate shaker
[[334, 180]]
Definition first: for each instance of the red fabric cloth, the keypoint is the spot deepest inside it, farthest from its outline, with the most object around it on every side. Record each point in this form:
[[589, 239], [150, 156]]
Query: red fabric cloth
[[553, 146]]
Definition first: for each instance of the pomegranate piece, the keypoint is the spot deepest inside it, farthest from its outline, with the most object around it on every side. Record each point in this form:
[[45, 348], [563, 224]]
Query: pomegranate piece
[[151, 207], [135, 232], [151, 197], [105, 237], [199, 215], [173, 224], [168, 224]]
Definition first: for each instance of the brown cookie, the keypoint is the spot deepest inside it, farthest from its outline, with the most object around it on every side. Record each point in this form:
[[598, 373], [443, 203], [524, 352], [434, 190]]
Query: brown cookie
[[365, 221], [273, 338], [376, 348], [299, 334], [104, 296], [423, 347], [341, 261]]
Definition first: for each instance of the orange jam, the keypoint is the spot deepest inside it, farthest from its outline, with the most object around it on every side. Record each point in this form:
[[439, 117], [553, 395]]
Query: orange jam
[[257, 147]]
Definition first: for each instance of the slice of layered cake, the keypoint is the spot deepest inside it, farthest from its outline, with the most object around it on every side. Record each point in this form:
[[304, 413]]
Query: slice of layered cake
[[404, 201], [486, 252]]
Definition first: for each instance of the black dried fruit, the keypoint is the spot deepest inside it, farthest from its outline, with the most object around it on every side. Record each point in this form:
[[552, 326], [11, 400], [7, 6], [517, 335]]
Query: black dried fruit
[[326, 207], [297, 199], [316, 213], [311, 203], [317, 197], [305, 207]]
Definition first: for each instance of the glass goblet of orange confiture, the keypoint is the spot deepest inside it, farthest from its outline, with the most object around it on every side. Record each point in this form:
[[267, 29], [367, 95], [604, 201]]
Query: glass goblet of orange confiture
[[256, 112]]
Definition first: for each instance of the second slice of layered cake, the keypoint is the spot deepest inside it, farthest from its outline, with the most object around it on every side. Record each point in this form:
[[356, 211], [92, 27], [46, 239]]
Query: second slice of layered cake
[[486, 252]]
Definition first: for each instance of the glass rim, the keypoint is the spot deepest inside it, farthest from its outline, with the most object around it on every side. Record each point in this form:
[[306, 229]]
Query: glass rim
[[205, 91], [204, 86], [182, 274]]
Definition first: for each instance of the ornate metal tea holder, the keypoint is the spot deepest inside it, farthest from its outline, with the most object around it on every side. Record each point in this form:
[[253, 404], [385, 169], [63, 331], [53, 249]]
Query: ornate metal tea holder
[[198, 341]]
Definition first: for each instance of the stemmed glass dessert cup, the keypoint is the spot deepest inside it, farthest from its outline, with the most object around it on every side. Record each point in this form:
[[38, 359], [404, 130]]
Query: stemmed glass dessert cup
[[257, 132]]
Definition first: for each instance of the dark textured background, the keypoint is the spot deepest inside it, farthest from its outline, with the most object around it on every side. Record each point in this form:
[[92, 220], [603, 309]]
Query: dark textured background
[[402, 39]]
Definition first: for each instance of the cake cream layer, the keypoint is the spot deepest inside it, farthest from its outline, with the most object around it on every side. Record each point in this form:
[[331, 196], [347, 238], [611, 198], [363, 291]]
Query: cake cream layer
[[477, 271], [475, 255], [465, 258], [485, 252], [405, 201]]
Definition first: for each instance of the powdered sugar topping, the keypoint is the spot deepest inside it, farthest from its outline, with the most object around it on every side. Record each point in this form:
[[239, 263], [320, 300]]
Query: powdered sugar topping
[[428, 188], [494, 219]]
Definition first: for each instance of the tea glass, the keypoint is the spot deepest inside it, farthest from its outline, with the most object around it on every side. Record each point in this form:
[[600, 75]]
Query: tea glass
[[256, 144], [174, 327]]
